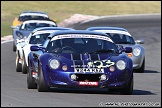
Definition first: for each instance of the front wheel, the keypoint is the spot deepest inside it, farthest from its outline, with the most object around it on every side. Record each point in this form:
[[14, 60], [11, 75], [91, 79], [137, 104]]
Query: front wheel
[[24, 65], [14, 46], [30, 81], [142, 68], [18, 65], [128, 90], [41, 85]]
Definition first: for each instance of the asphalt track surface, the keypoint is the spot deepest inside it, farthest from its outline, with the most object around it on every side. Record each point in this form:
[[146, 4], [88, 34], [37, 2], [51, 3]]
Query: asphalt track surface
[[147, 85]]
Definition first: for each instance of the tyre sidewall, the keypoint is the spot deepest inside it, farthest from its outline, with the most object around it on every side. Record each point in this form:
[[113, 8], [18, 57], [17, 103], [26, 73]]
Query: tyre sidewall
[[41, 85], [24, 65]]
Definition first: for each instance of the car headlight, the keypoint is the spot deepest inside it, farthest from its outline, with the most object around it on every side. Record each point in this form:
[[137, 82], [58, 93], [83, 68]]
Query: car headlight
[[19, 35], [54, 64], [136, 51], [121, 65]]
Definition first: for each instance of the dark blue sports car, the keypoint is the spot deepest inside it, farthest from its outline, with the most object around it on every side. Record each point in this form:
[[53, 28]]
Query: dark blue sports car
[[79, 58]]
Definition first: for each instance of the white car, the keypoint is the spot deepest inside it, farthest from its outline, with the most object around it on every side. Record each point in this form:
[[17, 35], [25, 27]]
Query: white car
[[37, 37]]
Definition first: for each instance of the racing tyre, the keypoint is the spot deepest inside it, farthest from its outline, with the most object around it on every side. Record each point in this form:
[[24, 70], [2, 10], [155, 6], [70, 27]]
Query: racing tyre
[[24, 65], [41, 85], [18, 65], [14, 46], [128, 90], [30, 81], [142, 68]]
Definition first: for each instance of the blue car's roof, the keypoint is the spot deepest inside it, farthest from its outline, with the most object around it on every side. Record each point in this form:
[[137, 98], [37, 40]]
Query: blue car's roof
[[106, 28], [76, 32]]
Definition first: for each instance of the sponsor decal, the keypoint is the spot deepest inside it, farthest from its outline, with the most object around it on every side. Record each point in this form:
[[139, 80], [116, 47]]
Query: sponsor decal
[[81, 36], [83, 83]]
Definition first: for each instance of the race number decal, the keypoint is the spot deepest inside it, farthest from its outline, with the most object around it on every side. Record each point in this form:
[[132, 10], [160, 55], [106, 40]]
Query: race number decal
[[101, 64]]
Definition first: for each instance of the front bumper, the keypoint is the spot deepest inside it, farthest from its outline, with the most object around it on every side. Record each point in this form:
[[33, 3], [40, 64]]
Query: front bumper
[[116, 79], [137, 61]]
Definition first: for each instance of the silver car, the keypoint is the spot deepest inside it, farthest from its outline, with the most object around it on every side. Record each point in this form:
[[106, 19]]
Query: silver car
[[123, 38]]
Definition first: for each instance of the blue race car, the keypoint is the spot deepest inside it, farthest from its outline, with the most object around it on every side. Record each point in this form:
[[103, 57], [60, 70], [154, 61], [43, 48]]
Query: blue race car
[[79, 59]]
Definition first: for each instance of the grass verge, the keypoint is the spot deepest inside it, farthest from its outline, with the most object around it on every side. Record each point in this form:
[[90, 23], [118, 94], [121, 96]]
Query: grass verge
[[61, 10]]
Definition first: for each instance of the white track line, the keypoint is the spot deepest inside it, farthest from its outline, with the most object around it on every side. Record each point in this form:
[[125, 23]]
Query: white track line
[[127, 15], [6, 41]]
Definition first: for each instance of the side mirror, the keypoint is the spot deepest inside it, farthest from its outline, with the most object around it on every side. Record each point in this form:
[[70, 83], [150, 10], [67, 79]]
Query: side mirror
[[34, 48], [128, 49], [140, 41]]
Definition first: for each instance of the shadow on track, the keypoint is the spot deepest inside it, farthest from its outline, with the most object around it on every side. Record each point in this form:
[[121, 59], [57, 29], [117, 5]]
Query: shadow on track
[[151, 71], [96, 91], [142, 92], [147, 71]]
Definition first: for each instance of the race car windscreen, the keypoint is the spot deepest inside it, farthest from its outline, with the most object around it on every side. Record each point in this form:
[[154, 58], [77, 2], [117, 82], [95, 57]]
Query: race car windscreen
[[121, 38], [31, 17], [39, 38], [81, 45], [32, 26]]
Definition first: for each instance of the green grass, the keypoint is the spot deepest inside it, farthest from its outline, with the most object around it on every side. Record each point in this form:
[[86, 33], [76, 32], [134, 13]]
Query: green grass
[[61, 10]]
